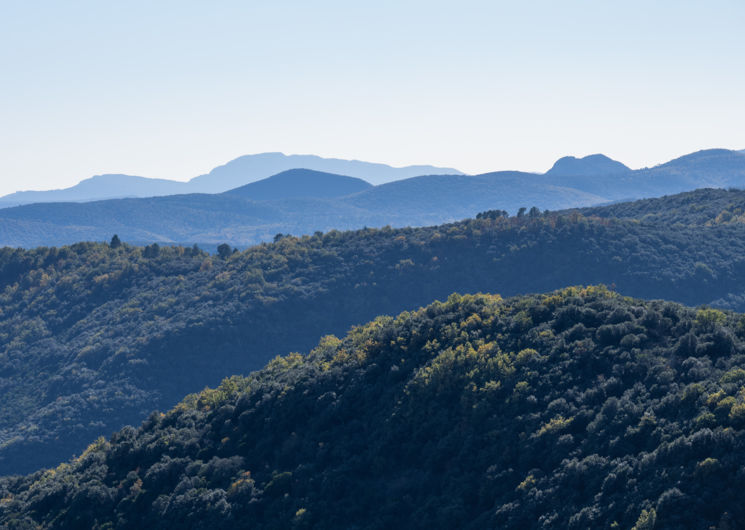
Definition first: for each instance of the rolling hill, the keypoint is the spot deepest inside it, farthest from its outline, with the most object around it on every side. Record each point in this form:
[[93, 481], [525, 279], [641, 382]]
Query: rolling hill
[[573, 409], [94, 337], [301, 184]]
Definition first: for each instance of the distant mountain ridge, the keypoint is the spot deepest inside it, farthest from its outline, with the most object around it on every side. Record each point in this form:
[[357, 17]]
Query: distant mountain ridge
[[234, 173], [302, 201], [238, 172]]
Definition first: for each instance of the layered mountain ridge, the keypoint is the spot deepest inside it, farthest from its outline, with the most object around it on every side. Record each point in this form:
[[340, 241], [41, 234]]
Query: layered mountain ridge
[[238, 172], [313, 201]]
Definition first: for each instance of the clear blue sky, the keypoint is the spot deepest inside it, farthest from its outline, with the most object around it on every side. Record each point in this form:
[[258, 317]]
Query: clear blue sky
[[173, 88]]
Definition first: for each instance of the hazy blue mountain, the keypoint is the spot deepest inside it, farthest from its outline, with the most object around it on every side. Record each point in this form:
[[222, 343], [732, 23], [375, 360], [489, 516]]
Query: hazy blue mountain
[[595, 175], [238, 172], [434, 199], [304, 201], [250, 168], [235, 218], [711, 168], [717, 166], [108, 186], [301, 183], [592, 165]]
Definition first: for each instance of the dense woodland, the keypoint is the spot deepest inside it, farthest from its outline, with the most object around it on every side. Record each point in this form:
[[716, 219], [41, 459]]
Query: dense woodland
[[96, 336], [574, 409], [701, 207]]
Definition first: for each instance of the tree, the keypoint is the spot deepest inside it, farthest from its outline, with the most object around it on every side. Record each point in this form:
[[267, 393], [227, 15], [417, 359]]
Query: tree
[[151, 251], [224, 251], [115, 242]]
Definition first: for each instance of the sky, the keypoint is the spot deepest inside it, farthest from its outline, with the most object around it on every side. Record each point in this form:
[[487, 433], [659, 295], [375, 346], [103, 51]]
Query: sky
[[171, 89]]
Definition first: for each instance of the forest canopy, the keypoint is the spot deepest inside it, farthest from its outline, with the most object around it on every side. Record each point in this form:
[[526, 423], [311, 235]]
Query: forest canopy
[[579, 408]]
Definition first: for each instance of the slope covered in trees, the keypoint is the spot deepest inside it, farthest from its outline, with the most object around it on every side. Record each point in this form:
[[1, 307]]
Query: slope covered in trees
[[701, 207], [94, 337], [574, 409]]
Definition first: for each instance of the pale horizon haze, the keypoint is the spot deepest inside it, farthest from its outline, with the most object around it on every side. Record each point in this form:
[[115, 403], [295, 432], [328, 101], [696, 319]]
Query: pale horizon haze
[[172, 89]]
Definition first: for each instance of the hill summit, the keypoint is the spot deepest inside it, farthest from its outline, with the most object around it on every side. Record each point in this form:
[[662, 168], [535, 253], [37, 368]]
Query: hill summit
[[301, 183], [592, 165]]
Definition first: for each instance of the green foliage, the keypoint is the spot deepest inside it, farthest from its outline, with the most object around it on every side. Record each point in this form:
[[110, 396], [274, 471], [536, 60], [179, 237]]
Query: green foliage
[[646, 520], [475, 412]]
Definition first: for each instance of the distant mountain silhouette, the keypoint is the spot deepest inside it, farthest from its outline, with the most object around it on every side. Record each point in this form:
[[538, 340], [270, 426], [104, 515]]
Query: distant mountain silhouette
[[301, 183], [592, 165], [711, 168], [714, 163], [98, 187], [238, 172], [304, 201], [250, 168]]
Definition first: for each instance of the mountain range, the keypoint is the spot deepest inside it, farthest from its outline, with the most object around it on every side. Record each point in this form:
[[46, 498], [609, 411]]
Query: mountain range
[[238, 172], [303, 201]]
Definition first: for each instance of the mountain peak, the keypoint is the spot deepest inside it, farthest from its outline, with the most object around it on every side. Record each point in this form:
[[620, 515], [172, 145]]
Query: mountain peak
[[591, 165], [301, 183]]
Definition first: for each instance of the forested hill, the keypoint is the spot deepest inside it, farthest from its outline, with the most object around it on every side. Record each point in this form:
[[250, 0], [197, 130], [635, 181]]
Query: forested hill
[[704, 206], [94, 337], [573, 409]]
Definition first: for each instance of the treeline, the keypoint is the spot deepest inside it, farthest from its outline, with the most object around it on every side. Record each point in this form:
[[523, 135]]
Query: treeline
[[573, 409], [94, 337]]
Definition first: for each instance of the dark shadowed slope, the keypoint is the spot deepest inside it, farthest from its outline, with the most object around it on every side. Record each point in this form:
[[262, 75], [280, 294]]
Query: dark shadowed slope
[[574, 409], [301, 183]]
